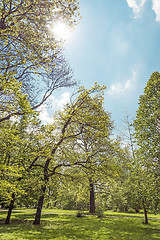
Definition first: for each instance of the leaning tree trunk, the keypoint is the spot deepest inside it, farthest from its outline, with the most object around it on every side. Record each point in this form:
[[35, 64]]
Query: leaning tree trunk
[[92, 197], [40, 205], [145, 213], [42, 194], [8, 218]]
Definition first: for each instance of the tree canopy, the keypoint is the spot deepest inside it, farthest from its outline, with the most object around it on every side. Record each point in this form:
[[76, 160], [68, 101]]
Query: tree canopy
[[147, 121], [30, 53]]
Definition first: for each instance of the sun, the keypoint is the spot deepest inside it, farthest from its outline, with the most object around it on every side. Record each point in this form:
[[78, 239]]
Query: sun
[[61, 31]]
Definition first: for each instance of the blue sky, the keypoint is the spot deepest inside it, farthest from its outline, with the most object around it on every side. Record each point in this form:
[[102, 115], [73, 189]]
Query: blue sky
[[116, 43]]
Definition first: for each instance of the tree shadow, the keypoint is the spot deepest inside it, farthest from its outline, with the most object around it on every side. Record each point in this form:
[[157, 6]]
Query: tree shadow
[[70, 227]]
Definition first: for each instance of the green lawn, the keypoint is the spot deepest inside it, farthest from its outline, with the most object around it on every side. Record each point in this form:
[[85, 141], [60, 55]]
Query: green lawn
[[59, 226]]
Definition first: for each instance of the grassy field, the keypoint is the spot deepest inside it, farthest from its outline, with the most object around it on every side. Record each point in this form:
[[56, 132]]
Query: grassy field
[[58, 224]]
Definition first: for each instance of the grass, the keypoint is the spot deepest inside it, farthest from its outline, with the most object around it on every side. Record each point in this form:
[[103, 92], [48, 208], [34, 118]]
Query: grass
[[67, 227], [131, 214]]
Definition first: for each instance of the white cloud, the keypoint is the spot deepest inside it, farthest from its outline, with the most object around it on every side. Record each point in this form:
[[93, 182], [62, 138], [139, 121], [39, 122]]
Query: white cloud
[[136, 5], [156, 8], [59, 103], [55, 104], [119, 88], [44, 115]]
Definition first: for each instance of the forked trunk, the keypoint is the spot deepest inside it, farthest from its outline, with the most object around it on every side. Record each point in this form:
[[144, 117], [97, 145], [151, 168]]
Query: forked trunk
[[8, 218]]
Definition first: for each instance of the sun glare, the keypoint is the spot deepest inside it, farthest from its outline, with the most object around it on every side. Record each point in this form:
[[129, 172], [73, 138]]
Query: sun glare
[[61, 31]]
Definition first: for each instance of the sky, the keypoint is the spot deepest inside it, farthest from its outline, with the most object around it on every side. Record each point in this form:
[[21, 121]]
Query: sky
[[117, 44]]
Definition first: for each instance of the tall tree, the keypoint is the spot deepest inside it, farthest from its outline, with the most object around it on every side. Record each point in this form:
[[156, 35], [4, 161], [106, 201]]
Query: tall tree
[[147, 122], [72, 122], [95, 149], [147, 133]]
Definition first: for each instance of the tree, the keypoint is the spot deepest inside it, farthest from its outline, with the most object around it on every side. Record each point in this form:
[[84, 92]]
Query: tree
[[147, 121], [30, 54], [70, 124], [21, 145], [95, 149], [147, 134], [143, 188]]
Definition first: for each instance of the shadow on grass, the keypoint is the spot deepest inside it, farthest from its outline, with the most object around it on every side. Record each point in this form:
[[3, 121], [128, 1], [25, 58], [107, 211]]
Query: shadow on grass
[[70, 227]]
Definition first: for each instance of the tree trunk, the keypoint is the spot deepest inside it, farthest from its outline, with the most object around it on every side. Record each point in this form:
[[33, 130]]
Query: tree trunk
[[48, 204], [137, 210], [42, 195], [146, 217], [92, 197], [40, 205], [55, 203], [126, 208], [145, 213], [10, 209]]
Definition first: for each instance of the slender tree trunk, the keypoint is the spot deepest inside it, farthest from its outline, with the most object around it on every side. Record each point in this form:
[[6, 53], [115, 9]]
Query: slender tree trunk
[[41, 198], [10, 209], [55, 203], [40, 205], [13, 195], [92, 197], [145, 213], [146, 216], [48, 204], [49, 194]]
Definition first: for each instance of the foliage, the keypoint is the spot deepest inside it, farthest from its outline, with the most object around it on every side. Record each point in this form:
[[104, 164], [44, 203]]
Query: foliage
[[19, 145], [73, 192], [31, 57], [79, 213], [147, 135], [24, 31], [13, 102], [100, 212], [69, 125], [147, 122]]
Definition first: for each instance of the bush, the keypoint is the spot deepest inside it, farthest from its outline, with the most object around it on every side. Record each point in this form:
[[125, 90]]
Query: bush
[[79, 213], [100, 212]]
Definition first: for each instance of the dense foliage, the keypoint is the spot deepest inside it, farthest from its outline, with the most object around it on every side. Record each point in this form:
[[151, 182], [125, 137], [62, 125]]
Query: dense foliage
[[74, 163]]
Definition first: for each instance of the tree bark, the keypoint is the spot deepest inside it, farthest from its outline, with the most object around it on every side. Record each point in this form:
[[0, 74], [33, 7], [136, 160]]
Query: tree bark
[[145, 213], [10, 209], [146, 217], [40, 205], [92, 197], [43, 190], [126, 208]]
